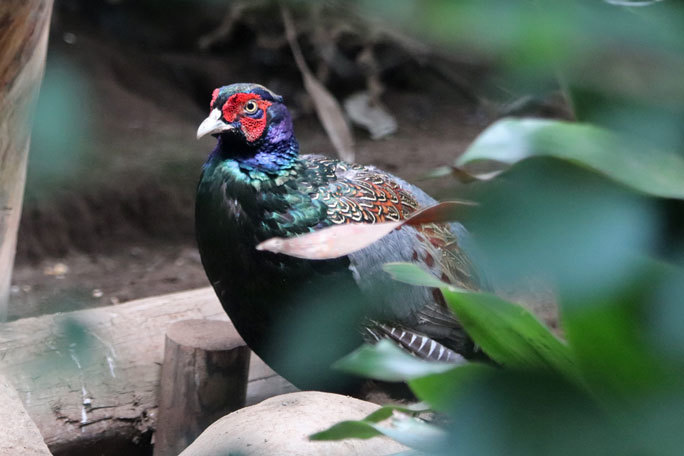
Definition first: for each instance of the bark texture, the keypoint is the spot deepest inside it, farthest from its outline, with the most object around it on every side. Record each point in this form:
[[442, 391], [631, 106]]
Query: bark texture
[[24, 26], [204, 377]]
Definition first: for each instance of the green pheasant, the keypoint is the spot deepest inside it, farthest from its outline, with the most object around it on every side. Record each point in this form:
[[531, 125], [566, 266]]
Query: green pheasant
[[255, 185]]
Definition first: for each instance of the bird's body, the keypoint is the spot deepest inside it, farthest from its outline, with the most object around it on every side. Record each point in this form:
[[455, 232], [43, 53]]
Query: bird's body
[[301, 315]]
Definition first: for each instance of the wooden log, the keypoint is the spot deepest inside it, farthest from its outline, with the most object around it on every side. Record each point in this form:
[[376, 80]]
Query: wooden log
[[23, 43], [19, 434], [92, 376], [204, 377]]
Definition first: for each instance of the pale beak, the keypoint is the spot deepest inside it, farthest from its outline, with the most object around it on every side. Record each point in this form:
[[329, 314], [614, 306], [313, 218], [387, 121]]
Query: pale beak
[[213, 124]]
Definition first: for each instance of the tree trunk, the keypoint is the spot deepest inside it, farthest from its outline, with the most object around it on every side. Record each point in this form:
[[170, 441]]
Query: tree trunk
[[24, 26]]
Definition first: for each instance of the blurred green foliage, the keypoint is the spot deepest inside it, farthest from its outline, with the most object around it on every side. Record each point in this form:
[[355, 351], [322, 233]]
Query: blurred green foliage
[[584, 205], [61, 126], [620, 65], [594, 207]]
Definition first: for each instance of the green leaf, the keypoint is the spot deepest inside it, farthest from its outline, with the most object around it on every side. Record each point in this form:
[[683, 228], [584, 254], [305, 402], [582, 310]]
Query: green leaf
[[385, 361], [510, 334], [413, 275], [440, 390], [363, 429], [505, 331], [387, 411], [412, 432], [509, 141], [347, 430], [415, 433], [515, 413], [564, 224], [608, 344], [618, 340]]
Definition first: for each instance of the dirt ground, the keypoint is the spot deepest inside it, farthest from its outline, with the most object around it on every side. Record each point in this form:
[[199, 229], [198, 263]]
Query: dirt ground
[[122, 227], [119, 225]]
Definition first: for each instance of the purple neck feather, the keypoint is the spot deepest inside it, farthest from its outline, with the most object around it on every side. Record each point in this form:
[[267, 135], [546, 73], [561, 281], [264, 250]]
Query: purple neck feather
[[274, 152]]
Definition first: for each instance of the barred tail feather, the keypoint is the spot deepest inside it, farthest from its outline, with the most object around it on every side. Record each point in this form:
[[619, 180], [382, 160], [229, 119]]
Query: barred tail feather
[[415, 343]]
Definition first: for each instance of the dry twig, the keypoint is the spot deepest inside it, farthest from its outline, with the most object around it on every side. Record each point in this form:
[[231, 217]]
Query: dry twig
[[328, 109]]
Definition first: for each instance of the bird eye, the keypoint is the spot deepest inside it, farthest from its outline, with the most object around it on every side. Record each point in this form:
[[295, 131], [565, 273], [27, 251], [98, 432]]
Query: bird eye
[[251, 107]]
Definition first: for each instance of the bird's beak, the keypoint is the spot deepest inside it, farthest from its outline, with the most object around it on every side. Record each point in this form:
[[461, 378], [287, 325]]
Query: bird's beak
[[213, 124]]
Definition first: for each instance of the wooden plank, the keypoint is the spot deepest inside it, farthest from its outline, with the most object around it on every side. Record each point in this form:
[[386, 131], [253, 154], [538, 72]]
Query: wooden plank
[[94, 374], [19, 434], [23, 44]]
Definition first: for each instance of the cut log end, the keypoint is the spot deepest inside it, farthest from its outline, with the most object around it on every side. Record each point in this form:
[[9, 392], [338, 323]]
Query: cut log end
[[204, 376], [207, 335]]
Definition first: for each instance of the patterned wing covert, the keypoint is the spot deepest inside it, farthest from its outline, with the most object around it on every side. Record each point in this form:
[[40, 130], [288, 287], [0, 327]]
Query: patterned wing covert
[[416, 318], [364, 195]]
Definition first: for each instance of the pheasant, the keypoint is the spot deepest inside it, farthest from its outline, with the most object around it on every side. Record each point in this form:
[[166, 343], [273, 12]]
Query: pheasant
[[301, 315]]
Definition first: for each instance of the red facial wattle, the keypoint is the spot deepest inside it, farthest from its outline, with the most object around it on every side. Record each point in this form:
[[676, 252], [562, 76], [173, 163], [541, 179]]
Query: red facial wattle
[[233, 110]]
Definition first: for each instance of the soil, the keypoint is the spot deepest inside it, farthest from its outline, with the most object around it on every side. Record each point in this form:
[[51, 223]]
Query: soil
[[119, 226], [116, 222]]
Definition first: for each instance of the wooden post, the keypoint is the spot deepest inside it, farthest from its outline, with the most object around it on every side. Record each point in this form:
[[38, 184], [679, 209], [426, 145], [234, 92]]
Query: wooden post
[[23, 43], [203, 377]]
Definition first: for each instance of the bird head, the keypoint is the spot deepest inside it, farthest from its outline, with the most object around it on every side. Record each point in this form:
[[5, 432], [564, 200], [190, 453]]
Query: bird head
[[245, 110]]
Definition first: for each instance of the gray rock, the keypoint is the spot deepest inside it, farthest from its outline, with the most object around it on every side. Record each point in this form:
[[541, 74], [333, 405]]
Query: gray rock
[[282, 424]]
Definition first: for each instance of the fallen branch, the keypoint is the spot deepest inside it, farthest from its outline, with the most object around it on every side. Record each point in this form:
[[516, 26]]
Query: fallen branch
[[328, 109]]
